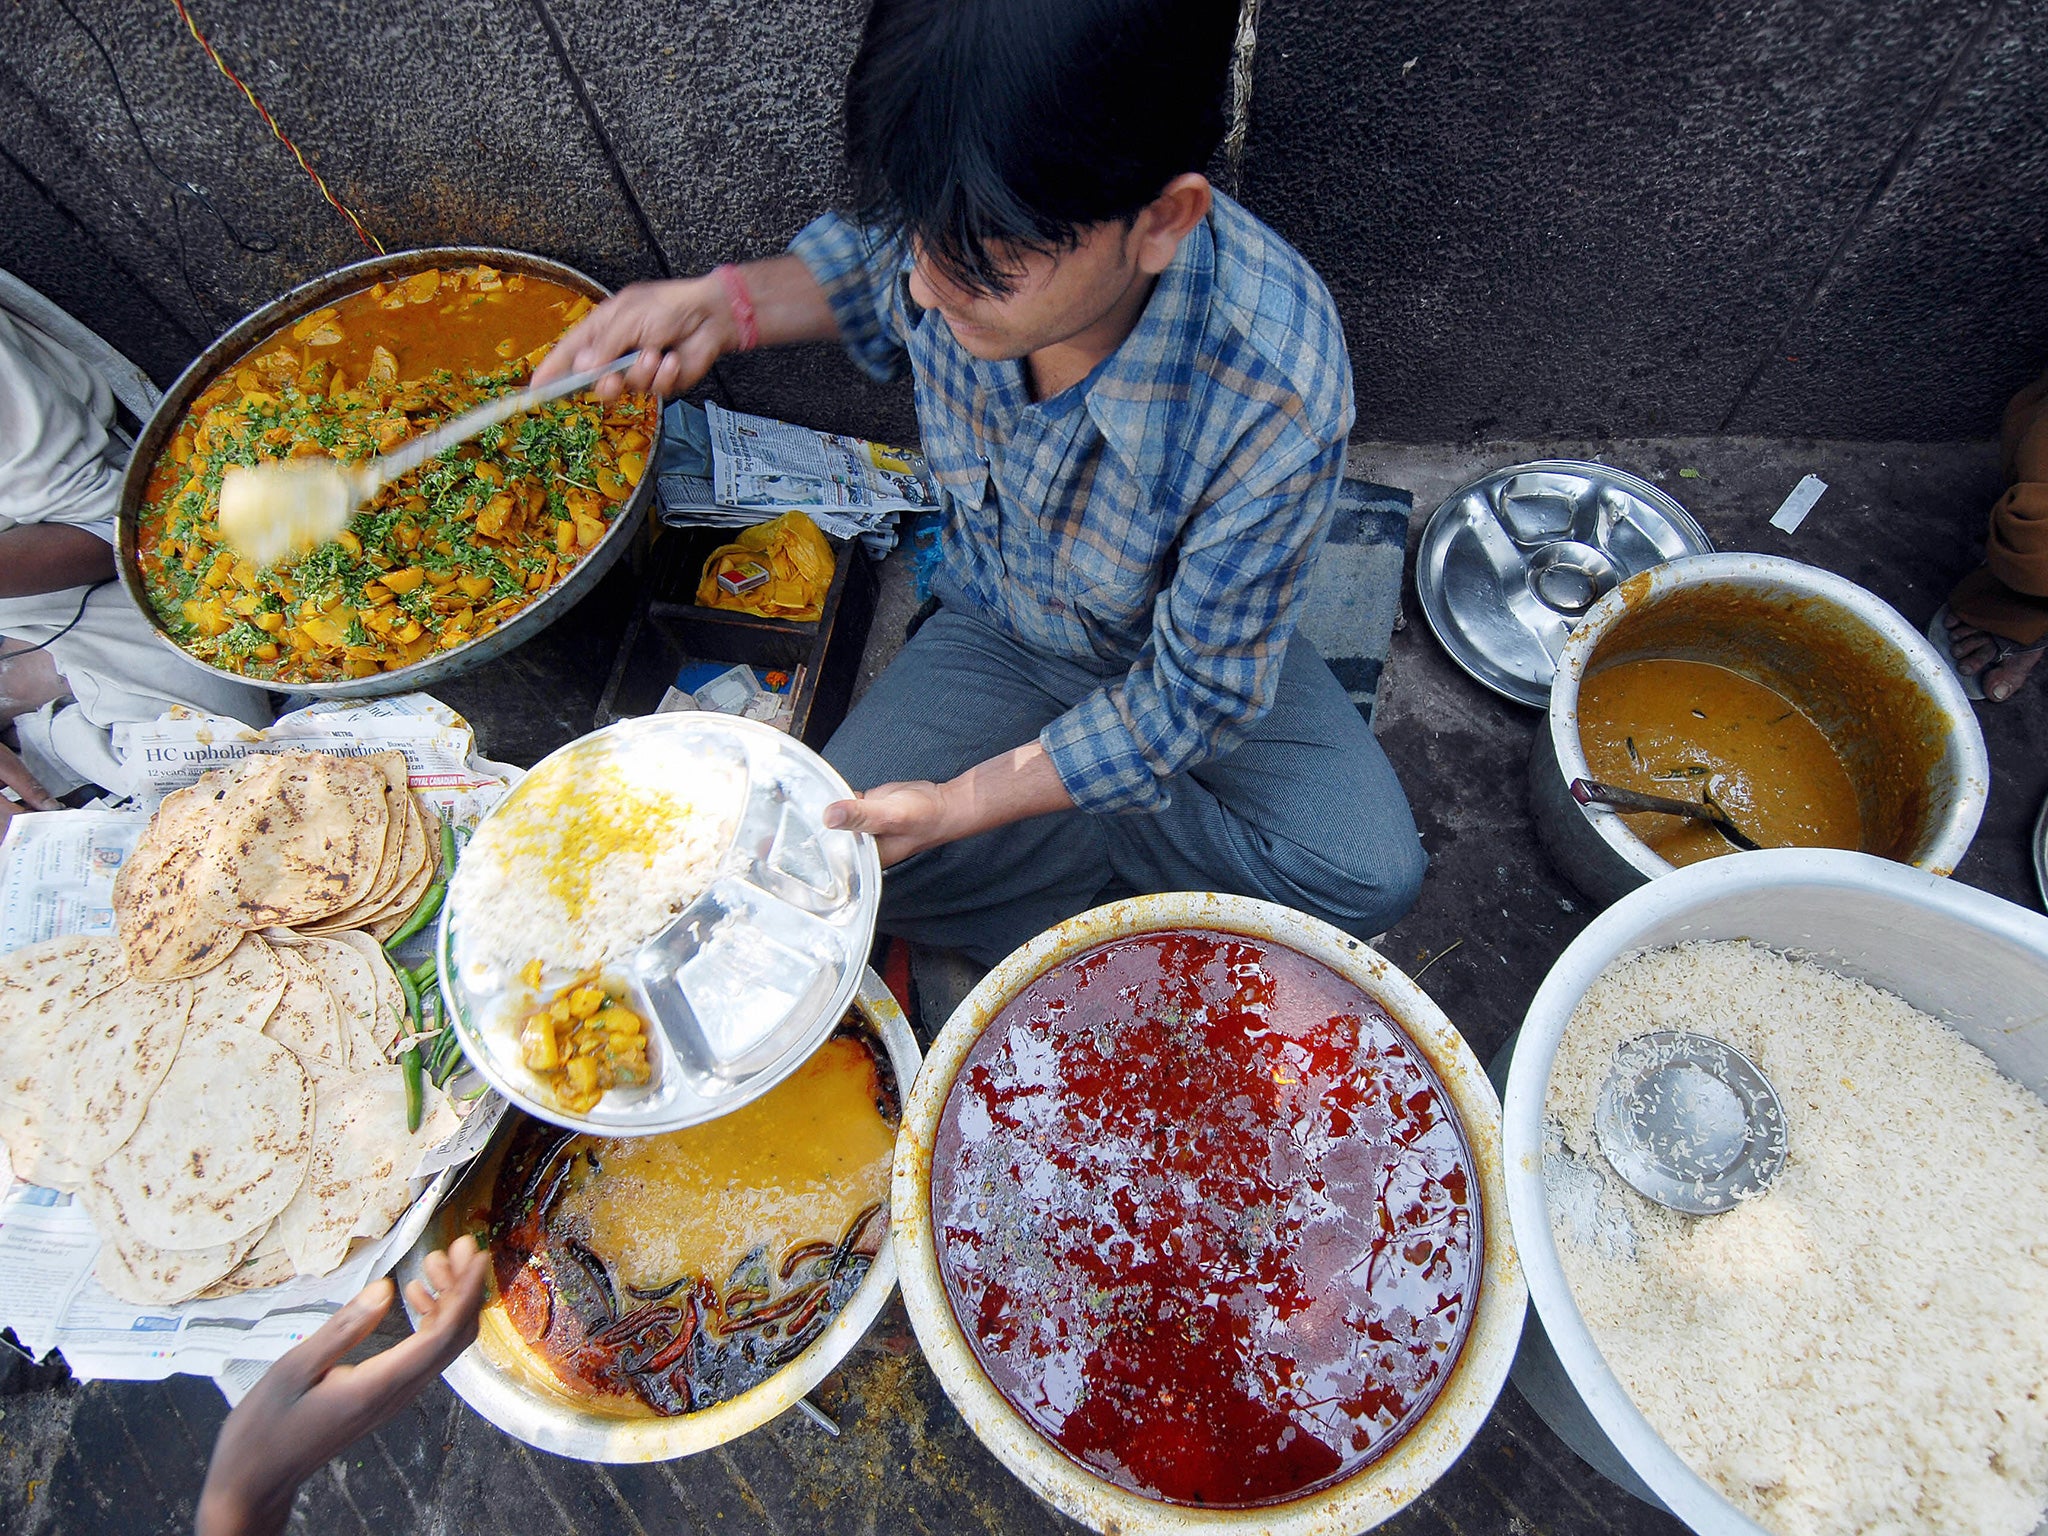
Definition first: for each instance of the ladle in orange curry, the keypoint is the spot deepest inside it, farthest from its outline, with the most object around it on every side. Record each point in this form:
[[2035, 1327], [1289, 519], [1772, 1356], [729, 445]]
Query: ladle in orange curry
[[1687, 729]]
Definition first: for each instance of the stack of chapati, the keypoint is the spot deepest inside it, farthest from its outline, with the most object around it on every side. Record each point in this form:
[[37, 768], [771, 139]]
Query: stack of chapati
[[301, 840], [214, 1083]]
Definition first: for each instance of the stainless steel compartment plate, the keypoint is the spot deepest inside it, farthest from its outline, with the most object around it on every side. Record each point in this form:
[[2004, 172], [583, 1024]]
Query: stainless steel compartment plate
[[1510, 563], [748, 980]]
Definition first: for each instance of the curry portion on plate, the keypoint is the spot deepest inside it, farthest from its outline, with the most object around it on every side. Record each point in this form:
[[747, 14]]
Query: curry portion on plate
[[441, 557]]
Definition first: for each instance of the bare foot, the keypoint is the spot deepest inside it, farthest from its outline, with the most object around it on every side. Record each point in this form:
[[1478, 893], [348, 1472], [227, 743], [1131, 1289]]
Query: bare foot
[[1977, 651]]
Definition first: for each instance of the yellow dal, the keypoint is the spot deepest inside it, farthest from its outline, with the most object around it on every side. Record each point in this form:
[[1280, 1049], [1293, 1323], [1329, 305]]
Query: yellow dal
[[795, 1166]]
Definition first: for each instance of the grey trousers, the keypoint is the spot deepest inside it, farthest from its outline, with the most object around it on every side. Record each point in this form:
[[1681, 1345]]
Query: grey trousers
[[1306, 812]]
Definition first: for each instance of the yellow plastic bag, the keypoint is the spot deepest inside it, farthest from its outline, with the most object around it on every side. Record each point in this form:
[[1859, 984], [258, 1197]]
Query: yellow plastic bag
[[799, 561]]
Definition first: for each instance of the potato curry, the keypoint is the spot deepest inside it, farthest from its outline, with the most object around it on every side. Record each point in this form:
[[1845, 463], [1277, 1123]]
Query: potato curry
[[442, 556]]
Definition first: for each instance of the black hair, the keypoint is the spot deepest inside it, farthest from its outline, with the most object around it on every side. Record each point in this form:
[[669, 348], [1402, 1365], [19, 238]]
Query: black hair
[[979, 128]]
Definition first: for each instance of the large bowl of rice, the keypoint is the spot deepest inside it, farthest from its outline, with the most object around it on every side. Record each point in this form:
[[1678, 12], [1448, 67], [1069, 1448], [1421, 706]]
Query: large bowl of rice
[[1865, 1347]]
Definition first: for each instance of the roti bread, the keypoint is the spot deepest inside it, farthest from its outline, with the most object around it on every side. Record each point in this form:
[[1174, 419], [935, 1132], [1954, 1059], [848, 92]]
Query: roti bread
[[159, 1277], [77, 1065], [388, 1017], [361, 1168], [353, 987], [401, 844], [426, 827], [171, 925], [266, 1265], [305, 1021], [295, 837], [244, 989], [222, 1147]]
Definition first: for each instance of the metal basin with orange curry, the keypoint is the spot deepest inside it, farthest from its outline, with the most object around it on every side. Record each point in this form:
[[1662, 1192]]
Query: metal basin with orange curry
[[447, 567], [655, 1296], [1792, 699]]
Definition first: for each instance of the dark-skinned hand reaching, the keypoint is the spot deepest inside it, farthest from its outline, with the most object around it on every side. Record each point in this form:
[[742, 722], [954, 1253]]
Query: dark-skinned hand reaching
[[309, 1406]]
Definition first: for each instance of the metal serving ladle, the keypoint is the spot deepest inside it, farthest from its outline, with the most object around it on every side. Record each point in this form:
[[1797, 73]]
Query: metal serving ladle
[[282, 509], [1591, 792], [1690, 1122]]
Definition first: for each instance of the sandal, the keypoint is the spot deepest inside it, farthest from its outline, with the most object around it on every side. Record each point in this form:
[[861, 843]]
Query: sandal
[[1973, 682]]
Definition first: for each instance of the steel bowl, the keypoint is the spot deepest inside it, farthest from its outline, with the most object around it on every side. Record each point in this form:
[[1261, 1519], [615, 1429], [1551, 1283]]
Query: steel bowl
[[1860, 672], [1376, 1491], [513, 1393], [1977, 963], [248, 333]]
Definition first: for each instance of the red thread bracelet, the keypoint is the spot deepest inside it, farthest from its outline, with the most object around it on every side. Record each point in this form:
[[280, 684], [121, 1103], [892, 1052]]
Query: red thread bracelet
[[742, 305]]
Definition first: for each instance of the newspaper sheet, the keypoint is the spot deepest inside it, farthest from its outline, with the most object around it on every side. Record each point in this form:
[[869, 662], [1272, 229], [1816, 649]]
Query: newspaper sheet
[[728, 469], [57, 873], [439, 746]]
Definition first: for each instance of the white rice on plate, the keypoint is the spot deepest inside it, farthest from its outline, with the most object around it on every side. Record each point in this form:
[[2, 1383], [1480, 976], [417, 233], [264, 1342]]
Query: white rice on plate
[[1865, 1348], [592, 855]]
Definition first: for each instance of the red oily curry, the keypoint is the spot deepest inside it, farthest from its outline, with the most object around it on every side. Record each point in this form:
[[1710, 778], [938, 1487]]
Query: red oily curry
[[1207, 1218]]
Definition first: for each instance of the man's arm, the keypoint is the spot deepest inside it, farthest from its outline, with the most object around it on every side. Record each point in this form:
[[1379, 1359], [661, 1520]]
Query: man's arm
[[48, 557], [681, 327], [909, 818]]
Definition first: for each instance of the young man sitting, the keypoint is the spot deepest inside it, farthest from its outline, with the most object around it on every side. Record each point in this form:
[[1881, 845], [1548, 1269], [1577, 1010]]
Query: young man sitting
[[1135, 397]]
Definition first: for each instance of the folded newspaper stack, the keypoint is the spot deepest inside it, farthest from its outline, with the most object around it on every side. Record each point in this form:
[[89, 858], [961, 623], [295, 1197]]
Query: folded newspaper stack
[[725, 469]]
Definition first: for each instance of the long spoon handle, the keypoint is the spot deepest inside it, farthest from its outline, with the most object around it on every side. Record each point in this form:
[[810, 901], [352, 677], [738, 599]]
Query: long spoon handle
[[1589, 792], [417, 452]]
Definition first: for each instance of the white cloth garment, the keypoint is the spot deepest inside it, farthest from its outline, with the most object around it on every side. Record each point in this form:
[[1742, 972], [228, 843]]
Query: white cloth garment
[[61, 459]]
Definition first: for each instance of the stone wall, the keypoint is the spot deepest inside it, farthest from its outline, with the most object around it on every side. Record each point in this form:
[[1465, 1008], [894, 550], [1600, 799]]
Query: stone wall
[[1538, 216]]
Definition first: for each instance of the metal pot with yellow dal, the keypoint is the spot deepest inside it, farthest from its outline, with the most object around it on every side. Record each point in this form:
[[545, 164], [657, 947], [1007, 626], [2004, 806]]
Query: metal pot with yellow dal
[[653, 1296]]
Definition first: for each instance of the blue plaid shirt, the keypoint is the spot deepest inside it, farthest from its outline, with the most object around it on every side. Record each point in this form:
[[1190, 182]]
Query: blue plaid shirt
[[1158, 519]]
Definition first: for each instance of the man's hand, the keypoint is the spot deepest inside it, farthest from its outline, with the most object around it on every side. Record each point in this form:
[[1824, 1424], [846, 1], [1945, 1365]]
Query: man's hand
[[903, 818], [307, 1406], [15, 775], [679, 328], [909, 818]]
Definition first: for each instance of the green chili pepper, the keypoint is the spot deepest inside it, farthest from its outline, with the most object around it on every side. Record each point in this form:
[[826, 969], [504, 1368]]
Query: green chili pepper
[[433, 1022], [415, 1090], [428, 970], [447, 1056], [430, 903], [412, 997], [422, 914]]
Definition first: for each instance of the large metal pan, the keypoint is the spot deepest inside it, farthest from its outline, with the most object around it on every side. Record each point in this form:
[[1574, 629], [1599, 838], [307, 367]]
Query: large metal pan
[[509, 1392], [238, 342]]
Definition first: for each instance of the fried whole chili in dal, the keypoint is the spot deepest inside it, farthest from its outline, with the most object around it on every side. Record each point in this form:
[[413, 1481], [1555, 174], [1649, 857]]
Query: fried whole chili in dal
[[663, 1274], [446, 554], [1207, 1218]]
